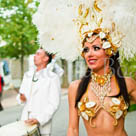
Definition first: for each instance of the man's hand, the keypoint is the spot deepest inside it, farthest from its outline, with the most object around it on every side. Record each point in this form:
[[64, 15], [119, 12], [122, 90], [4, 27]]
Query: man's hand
[[31, 121], [22, 97]]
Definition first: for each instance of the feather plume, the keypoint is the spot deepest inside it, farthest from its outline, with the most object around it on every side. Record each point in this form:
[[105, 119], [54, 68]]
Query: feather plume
[[58, 33], [123, 13]]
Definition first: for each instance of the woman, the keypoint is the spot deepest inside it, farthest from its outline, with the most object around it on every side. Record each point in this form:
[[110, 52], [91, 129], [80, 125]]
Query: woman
[[101, 97]]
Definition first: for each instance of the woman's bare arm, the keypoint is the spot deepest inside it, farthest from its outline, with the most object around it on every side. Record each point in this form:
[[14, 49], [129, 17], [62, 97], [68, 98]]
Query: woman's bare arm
[[73, 128], [131, 86]]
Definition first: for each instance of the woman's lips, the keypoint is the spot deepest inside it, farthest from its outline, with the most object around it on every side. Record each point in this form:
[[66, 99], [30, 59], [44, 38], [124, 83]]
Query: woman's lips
[[92, 61]]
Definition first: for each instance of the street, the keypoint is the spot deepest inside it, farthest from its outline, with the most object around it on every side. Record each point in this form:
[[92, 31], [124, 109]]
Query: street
[[60, 121]]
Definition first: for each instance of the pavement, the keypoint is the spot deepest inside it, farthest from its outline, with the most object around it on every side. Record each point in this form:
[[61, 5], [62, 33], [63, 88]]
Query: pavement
[[9, 98]]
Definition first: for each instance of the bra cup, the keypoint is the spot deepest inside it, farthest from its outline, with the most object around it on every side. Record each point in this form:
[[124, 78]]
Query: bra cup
[[116, 107]]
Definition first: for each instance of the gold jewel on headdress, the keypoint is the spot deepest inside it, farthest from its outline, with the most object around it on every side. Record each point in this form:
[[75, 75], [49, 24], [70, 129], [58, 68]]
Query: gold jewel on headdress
[[90, 22], [100, 85]]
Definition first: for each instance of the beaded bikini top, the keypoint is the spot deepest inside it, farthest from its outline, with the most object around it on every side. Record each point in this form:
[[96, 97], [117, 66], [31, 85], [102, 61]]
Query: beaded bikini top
[[88, 109]]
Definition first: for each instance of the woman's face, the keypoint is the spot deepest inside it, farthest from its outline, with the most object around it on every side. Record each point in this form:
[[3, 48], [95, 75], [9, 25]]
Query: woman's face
[[95, 55]]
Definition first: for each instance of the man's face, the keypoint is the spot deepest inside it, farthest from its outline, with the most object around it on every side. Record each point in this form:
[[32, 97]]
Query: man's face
[[40, 57]]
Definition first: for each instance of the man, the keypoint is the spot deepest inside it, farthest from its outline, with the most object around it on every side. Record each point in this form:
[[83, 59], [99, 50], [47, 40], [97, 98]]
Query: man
[[40, 91], [1, 90]]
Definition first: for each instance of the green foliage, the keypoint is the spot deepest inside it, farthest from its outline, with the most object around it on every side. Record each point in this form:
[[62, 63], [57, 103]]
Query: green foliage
[[132, 107], [17, 29], [129, 67]]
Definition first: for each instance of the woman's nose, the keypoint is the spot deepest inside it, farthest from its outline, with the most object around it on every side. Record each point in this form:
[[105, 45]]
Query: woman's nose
[[90, 52]]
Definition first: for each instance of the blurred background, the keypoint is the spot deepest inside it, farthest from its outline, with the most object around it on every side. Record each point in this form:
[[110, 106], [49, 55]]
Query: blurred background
[[18, 43]]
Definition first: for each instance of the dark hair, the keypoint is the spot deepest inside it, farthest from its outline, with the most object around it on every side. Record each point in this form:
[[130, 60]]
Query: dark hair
[[83, 86], [48, 54], [118, 75]]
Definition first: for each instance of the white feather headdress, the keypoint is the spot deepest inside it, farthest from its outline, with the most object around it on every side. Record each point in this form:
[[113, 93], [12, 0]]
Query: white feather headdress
[[123, 13], [58, 32]]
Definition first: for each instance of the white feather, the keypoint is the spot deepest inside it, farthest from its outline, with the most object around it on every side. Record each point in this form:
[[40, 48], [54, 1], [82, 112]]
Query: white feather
[[123, 13], [58, 33]]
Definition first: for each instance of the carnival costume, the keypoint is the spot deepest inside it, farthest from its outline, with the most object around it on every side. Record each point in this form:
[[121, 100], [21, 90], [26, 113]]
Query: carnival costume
[[116, 107], [65, 25]]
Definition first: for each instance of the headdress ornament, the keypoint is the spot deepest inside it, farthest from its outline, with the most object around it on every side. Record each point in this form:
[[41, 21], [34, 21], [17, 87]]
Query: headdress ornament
[[63, 24]]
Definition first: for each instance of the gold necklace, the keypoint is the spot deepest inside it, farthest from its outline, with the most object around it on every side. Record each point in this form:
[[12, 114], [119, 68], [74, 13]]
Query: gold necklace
[[100, 85]]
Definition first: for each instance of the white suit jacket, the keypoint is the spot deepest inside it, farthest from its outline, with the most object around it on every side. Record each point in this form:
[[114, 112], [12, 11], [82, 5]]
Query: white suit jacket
[[45, 97]]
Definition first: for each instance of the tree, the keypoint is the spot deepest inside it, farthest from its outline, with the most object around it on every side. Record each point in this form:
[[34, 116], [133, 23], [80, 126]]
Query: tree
[[17, 29], [129, 67]]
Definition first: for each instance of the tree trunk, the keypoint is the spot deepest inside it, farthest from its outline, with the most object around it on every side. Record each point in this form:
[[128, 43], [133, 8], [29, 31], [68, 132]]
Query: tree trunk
[[65, 75], [22, 66]]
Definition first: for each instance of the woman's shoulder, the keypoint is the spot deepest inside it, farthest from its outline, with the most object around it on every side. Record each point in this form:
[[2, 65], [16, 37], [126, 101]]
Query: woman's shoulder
[[73, 87], [131, 84], [74, 83]]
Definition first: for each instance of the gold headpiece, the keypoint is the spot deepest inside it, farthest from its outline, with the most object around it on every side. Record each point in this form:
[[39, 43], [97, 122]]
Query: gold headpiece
[[90, 21]]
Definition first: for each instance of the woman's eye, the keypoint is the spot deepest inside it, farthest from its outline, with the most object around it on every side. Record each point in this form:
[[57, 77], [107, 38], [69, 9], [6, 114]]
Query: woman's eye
[[85, 50], [96, 48]]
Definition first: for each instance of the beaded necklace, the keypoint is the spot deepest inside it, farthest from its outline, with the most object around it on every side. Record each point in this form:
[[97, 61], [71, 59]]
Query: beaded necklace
[[101, 86]]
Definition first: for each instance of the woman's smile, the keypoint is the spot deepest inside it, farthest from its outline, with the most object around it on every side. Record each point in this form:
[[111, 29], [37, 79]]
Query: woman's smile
[[92, 61]]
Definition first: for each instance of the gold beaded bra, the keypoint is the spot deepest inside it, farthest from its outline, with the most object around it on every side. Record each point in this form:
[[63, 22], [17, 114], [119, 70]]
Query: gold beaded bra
[[88, 109]]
